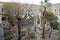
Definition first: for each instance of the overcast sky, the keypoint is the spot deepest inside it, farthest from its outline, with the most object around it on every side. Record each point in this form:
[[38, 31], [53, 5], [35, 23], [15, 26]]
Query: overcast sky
[[30, 1]]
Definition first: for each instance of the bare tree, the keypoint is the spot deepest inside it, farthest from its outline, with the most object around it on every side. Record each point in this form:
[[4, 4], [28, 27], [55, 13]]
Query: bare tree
[[14, 12]]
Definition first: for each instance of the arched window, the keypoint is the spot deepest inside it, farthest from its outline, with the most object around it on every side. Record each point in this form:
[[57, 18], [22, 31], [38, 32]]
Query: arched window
[[55, 10], [59, 10], [38, 20], [2, 9]]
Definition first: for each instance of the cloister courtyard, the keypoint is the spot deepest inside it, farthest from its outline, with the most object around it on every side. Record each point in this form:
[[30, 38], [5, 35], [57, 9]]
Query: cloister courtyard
[[23, 21]]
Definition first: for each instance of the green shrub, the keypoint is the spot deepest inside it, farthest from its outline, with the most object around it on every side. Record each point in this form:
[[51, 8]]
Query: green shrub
[[32, 34], [7, 35]]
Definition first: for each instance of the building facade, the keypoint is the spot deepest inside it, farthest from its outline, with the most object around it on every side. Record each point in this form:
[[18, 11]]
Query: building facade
[[56, 10]]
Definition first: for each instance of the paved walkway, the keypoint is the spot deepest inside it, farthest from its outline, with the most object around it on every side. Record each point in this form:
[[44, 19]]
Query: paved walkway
[[53, 35]]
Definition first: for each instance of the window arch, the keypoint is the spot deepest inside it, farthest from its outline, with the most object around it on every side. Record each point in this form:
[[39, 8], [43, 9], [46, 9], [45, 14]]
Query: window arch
[[59, 10]]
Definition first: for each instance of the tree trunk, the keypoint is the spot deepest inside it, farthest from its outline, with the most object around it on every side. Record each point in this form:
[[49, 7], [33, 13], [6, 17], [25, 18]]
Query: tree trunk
[[43, 36], [19, 32], [19, 29], [50, 33], [44, 21], [43, 33]]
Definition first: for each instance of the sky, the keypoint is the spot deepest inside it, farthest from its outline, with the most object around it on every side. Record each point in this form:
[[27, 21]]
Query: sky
[[30, 1]]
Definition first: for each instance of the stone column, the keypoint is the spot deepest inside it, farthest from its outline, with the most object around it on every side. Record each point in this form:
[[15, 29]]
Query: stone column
[[35, 22]]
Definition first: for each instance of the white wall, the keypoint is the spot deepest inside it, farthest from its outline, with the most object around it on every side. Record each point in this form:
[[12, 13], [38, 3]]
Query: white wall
[[1, 6]]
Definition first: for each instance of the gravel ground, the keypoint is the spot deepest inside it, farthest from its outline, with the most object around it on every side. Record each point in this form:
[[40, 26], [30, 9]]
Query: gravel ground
[[53, 35]]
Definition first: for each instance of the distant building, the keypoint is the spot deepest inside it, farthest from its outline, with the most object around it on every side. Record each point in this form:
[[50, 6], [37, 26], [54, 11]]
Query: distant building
[[56, 9]]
